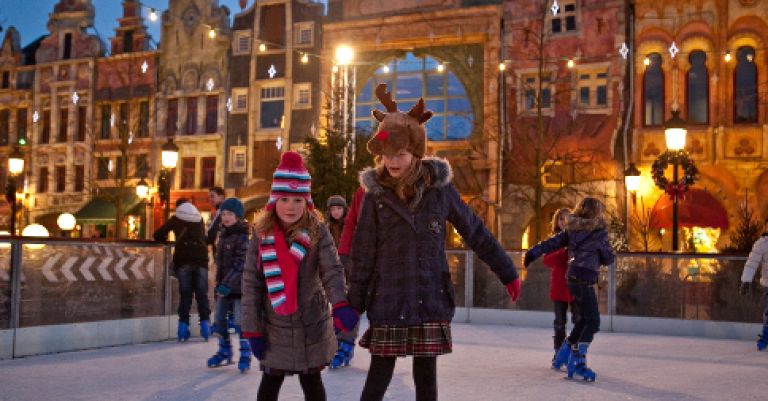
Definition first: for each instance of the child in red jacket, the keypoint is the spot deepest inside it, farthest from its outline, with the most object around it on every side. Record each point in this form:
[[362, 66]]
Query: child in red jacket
[[558, 289]]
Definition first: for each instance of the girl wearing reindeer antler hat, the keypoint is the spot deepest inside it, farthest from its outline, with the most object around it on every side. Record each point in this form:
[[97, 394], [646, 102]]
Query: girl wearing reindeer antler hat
[[400, 274]]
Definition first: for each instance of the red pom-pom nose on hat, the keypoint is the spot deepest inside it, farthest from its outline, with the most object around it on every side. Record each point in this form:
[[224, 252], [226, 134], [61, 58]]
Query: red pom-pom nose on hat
[[291, 161]]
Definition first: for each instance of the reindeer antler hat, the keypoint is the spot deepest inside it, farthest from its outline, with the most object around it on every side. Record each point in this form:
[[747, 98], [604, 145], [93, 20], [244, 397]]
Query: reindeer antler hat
[[398, 130]]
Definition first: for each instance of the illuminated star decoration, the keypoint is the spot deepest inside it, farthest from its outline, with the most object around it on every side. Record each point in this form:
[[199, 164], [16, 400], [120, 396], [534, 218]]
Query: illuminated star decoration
[[272, 71], [112, 120], [130, 137], [75, 98], [144, 67], [555, 7], [35, 116], [229, 104], [279, 143], [673, 50], [624, 50], [209, 84]]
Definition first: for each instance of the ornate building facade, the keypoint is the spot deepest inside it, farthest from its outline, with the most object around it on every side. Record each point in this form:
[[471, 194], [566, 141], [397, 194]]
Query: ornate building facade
[[714, 75]]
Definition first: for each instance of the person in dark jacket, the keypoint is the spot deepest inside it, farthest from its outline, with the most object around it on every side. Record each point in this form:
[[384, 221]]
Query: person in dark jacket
[[558, 289], [336, 212], [586, 238], [400, 274], [291, 274], [215, 198], [190, 265], [231, 250]]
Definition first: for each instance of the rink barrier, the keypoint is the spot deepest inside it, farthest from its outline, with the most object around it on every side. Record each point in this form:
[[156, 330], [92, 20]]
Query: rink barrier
[[62, 295]]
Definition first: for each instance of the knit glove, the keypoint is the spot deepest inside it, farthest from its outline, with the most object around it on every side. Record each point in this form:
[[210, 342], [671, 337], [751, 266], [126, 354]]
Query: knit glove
[[258, 344], [513, 288], [745, 287], [344, 317], [223, 290]]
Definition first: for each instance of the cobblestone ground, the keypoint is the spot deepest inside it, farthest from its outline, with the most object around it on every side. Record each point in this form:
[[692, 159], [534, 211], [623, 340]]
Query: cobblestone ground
[[489, 363]]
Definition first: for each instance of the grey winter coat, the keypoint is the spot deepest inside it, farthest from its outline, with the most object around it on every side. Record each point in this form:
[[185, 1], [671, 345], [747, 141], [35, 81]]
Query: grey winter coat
[[758, 258], [588, 248], [400, 274], [304, 339], [231, 249]]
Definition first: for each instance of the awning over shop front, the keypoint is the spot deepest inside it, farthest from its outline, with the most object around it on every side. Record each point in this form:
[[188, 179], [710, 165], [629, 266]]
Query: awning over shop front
[[697, 208], [101, 209]]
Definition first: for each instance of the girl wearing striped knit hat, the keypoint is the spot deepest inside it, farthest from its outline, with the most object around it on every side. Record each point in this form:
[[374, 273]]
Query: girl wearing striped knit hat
[[292, 272]]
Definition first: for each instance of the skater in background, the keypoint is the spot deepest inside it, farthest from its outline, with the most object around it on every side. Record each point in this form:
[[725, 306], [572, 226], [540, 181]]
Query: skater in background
[[586, 237], [558, 289], [215, 198], [758, 257], [292, 272], [190, 265], [399, 274], [335, 217], [231, 250]]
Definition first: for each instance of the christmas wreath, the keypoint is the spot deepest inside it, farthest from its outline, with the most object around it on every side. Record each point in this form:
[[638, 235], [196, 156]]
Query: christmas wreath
[[690, 172]]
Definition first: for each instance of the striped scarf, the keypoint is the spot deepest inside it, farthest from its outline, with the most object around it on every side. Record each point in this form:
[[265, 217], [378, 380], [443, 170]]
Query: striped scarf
[[280, 264]]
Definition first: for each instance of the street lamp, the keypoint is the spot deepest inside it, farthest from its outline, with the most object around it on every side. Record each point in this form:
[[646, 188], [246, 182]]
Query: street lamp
[[632, 178], [344, 57], [15, 168], [675, 132], [169, 158], [142, 189], [66, 223]]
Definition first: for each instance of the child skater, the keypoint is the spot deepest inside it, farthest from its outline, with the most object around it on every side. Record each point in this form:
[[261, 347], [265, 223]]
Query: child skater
[[586, 238], [231, 249], [558, 289], [399, 271], [292, 272], [758, 258]]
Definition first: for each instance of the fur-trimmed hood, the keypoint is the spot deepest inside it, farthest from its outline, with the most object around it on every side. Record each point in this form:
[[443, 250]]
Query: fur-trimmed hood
[[188, 212], [440, 169], [576, 223]]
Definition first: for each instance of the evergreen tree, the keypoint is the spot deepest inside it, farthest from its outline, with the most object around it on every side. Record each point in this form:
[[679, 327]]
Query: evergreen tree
[[746, 232]]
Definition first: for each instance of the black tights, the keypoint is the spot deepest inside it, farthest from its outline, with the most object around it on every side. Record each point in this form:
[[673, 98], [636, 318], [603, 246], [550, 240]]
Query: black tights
[[380, 374], [311, 383]]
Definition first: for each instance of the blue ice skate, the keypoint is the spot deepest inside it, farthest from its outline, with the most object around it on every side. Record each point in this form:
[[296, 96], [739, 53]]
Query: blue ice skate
[[561, 356], [244, 364], [577, 363], [762, 342], [223, 356], [344, 355], [182, 332], [205, 329]]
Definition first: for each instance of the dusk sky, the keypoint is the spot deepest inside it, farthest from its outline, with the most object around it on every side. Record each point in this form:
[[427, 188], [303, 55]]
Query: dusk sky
[[31, 16]]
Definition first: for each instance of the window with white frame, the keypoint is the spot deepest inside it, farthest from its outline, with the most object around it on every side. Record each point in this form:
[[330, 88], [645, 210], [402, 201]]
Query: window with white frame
[[304, 32], [239, 100], [592, 88], [302, 96], [530, 95], [241, 43], [565, 19], [272, 108]]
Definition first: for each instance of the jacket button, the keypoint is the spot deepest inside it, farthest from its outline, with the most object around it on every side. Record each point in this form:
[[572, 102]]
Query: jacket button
[[421, 302]]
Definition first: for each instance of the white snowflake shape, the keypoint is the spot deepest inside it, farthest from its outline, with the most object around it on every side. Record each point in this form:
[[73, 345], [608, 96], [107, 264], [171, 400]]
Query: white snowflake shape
[[75, 98], [555, 7], [624, 50], [279, 143], [210, 84], [144, 67], [272, 71], [229, 104], [35, 116], [130, 137], [673, 50]]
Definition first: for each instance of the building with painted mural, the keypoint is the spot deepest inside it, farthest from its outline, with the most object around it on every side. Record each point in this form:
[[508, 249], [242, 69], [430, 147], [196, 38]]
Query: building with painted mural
[[275, 93], [193, 75], [444, 51], [708, 60]]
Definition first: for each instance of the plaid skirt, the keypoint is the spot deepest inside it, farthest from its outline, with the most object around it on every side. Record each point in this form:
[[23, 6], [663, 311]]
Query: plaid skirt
[[427, 339]]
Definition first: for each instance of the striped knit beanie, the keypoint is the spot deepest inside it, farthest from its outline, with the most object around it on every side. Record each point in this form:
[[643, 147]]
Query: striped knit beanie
[[291, 179]]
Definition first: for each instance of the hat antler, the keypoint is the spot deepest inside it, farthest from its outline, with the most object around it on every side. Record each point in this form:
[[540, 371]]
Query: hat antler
[[417, 112], [386, 98]]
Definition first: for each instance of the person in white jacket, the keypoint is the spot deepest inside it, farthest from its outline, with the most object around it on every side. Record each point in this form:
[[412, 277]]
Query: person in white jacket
[[758, 257]]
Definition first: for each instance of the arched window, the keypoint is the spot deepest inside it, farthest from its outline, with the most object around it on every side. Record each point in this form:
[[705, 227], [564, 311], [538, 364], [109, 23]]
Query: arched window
[[745, 86], [698, 88], [653, 91], [409, 79]]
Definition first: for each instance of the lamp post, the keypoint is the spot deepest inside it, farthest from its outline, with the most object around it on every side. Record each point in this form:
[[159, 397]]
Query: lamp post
[[15, 168], [344, 57], [675, 132], [142, 192], [169, 158], [66, 223], [632, 184]]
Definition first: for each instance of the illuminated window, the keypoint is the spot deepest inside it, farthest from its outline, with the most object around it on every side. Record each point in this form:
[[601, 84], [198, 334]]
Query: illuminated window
[[653, 92], [410, 78], [745, 84], [698, 88]]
